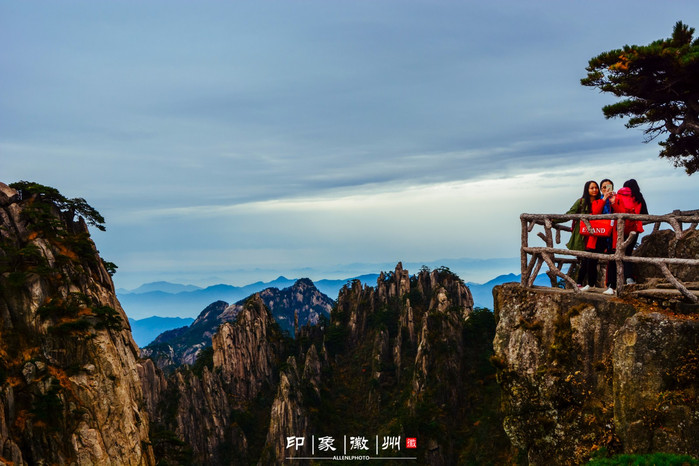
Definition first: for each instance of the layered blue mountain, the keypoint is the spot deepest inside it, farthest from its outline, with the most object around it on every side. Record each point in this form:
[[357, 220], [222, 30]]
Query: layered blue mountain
[[164, 286], [145, 330]]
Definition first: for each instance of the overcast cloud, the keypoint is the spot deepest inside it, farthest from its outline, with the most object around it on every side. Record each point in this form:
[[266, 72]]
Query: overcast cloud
[[236, 141]]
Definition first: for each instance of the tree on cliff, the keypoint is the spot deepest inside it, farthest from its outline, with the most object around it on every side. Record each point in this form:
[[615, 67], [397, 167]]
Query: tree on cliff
[[69, 207], [659, 89]]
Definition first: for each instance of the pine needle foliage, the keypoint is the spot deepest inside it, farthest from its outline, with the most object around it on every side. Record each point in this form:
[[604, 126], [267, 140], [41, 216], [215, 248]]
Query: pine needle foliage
[[69, 207], [658, 85]]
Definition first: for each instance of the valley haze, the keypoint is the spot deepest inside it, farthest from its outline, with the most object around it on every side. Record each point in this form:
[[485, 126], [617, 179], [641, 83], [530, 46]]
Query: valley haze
[[166, 299]]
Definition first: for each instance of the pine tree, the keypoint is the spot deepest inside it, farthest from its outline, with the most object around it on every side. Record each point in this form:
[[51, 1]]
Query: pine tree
[[69, 207], [659, 89]]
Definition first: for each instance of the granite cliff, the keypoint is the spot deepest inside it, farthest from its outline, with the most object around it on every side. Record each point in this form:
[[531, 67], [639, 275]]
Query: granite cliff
[[69, 390], [196, 412]]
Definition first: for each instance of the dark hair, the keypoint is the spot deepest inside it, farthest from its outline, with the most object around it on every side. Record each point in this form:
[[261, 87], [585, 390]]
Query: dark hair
[[587, 202], [602, 182], [632, 184]]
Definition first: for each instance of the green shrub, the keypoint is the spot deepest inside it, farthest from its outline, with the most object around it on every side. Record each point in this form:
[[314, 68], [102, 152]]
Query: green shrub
[[69, 328], [205, 359], [168, 448], [107, 318], [653, 459], [19, 262], [57, 308], [110, 266], [48, 407], [335, 338], [387, 318]]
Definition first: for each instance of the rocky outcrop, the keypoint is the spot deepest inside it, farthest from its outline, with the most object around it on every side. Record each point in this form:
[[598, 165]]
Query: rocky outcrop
[[407, 358], [202, 414], [396, 360], [246, 353], [70, 391], [207, 407], [665, 243], [583, 371], [288, 416], [292, 307], [656, 378], [153, 383], [413, 347], [393, 359]]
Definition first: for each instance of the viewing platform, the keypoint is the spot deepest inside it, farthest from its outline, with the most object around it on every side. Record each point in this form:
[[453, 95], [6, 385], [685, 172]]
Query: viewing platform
[[671, 274]]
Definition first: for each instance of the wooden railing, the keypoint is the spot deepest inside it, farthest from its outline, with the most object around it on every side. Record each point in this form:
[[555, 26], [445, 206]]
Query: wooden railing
[[555, 258]]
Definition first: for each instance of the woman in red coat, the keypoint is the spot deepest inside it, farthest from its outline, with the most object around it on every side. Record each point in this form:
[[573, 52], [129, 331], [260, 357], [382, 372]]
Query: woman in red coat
[[588, 266], [629, 200], [584, 205]]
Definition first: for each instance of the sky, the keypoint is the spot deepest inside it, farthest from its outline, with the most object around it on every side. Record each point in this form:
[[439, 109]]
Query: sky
[[231, 142]]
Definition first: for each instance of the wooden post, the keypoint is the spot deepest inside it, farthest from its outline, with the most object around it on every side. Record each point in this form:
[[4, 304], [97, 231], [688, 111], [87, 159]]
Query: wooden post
[[523, 255], [535, 272], [565, 277], [549, 236], [683, 289], [619, 253]]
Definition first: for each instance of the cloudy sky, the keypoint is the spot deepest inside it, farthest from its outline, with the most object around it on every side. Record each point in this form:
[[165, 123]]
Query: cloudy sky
[[237, 141]]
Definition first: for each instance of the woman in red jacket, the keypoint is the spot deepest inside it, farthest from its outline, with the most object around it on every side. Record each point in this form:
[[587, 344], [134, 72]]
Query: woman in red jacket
[[629, 200], [588, 266]]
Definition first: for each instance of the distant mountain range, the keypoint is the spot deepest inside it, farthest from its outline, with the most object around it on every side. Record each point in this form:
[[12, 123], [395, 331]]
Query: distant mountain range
[[161, 299], [145, 330], [165, 287], [302, 301], [166, 299]]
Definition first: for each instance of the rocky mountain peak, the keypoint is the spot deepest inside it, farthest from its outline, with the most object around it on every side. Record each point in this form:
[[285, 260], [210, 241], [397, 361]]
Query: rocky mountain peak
[[211, 313], [302, 301], [199, 405], [245, 351], [302, 283], [407, 346]]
